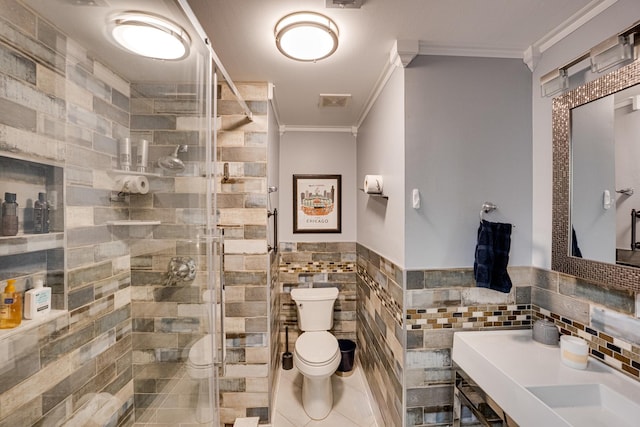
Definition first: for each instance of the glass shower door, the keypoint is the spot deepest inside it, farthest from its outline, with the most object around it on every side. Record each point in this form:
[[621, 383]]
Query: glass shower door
[[176, 281]]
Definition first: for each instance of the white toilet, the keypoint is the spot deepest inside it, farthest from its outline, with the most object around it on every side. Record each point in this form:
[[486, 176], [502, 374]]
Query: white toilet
[[316, 353], [200, 367]]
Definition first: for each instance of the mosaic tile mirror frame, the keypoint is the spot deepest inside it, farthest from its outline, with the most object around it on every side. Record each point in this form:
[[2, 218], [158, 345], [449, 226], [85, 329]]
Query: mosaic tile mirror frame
[[607, 275]]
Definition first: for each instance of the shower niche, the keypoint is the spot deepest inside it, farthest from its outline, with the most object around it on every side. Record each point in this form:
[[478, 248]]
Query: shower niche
[[34, 252]]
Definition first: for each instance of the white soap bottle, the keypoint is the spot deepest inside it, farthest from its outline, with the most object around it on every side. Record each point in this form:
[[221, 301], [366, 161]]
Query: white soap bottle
[[37, 301]]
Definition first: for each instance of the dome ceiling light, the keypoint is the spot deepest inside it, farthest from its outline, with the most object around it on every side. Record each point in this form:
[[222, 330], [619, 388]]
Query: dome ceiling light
[[150, 36], [306, 36]]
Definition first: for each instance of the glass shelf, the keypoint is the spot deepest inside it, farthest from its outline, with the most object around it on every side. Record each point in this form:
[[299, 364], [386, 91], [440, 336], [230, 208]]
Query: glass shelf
[[121, 172], [25, 243], [133, 222]]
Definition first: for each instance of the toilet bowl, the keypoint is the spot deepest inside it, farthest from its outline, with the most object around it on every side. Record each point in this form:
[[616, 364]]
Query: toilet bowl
[[316, 352], [317, 356]]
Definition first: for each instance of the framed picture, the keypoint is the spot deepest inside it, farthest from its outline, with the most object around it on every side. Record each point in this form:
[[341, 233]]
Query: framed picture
[[317, 203]]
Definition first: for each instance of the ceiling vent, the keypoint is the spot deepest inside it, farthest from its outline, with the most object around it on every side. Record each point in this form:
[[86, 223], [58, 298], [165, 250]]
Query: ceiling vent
[[343, 4], [334, 99]]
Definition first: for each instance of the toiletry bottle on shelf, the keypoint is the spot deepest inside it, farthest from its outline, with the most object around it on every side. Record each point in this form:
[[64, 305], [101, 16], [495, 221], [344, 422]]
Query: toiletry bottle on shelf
[[37, 301], [9, 215], [10, 306], [41, 214], [124, 148]]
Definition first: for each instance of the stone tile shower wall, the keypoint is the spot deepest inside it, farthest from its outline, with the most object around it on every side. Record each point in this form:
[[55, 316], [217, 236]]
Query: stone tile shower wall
[[242, 209], [167, 317], [381, 338], [58, 105], [327, 264], [275, 311], [439, 303]]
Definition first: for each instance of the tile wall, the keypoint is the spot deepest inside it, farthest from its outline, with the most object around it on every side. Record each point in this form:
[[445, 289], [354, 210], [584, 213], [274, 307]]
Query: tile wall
[[275, 341], [242, 210], [60, 106], [381, 337], [327, 264], [438, 303], [604, 317]]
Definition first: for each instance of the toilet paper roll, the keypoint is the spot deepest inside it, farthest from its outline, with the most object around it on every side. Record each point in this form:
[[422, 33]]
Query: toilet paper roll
[[373, 184], [133, 184]]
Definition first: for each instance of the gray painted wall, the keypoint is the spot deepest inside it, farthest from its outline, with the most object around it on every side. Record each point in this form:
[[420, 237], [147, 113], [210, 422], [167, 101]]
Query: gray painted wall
[[468, 141], [381, 149], [317, 153]]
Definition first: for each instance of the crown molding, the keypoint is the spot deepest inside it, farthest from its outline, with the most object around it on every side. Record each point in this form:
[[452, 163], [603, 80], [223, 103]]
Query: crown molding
[[403, 51], [533, 53], [427, 48]]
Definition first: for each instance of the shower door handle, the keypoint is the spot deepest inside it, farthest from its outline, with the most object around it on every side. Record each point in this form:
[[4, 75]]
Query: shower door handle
[[223, 346]]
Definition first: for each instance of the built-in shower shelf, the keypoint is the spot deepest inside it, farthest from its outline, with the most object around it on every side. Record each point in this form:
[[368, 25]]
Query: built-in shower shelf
[[133, 222], [26, 243], [121, 172], [27, 325]]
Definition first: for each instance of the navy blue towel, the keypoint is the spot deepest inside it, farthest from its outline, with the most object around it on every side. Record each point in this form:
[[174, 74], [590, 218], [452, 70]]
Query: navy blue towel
[[575, 249], [492, 256]]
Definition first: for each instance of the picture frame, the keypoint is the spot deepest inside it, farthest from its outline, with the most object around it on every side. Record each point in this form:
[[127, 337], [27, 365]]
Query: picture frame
[[317, 203]]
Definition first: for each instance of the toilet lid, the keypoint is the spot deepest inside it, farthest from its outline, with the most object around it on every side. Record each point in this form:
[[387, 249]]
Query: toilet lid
[[316, 348], [200, 353]]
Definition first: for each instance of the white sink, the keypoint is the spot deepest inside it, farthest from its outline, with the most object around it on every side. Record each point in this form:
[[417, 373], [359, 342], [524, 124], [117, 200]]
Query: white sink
[[589, 404], [530, 383]]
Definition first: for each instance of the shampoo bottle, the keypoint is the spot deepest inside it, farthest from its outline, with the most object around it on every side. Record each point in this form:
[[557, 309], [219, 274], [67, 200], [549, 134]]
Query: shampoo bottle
[[10, 306], [41, 215], [9, 215], [37, 301]]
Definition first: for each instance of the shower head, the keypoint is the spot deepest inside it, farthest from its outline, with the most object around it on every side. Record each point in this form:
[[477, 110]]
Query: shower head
[[172, 163]]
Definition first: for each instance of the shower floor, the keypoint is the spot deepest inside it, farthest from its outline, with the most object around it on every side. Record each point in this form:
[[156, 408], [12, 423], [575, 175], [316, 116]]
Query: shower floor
[[174, 406]]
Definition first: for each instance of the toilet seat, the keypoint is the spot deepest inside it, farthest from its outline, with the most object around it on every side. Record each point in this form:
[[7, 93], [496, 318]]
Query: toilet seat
[[317, 348]]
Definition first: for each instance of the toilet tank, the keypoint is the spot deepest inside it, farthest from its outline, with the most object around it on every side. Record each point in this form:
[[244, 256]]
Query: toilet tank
[[315, 307]]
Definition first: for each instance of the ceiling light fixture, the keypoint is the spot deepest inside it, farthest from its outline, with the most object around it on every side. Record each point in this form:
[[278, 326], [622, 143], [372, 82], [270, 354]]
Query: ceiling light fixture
[[151, 36], [306, 36]]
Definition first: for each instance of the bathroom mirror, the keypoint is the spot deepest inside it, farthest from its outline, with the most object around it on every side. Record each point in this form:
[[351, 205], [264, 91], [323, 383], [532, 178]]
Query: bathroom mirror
[[576, 192], [605, 178]]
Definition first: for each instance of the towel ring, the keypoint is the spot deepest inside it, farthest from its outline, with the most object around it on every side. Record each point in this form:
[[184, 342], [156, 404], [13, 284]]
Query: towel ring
[[486, 208], [489, 207]]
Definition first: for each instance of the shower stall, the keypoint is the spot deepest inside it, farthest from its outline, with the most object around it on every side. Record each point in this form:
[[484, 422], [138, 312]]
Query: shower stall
[[123, 146]]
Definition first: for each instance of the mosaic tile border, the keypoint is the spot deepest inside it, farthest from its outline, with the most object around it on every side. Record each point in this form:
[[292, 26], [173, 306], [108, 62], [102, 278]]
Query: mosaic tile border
[[618, 354], [610, 274], [385, 297], [472, 317], [317, 267]]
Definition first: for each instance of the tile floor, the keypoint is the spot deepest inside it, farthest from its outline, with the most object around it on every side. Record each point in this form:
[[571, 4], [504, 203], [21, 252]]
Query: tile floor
[[351, 406]]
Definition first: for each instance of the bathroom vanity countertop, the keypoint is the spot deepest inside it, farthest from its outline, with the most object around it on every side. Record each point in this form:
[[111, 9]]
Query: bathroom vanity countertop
[[509, 365]]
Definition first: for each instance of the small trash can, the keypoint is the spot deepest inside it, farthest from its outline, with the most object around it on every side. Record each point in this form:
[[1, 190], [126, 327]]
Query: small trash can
[[347, 353]]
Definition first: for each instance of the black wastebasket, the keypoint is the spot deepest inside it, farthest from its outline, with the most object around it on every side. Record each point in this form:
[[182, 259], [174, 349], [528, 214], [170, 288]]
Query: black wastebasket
[[347, 353]]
